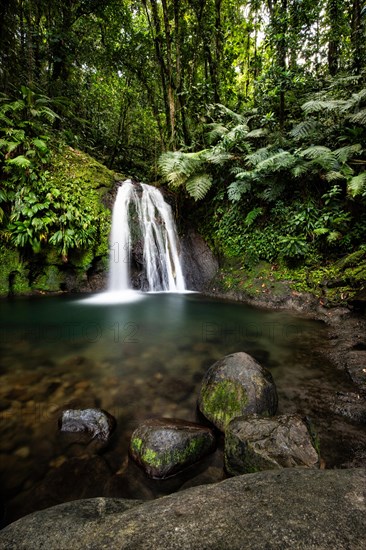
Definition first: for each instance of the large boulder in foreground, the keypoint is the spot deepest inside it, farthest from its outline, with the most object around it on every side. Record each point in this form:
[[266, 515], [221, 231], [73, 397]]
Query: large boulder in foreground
[[163, 447], [253, 443], [234, 386], [273, 510]]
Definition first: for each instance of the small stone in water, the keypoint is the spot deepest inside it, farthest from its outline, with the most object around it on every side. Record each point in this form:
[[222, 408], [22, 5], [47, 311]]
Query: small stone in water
[[97, 422]]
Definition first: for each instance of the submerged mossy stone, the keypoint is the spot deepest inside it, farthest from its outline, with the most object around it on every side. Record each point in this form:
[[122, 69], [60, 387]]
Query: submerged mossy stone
[[163, 447], [234, 386], [253, 444]]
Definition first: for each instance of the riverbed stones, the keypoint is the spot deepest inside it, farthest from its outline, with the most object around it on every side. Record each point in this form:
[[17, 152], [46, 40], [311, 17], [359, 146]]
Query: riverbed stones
[[234, 386], [163, 447], [253, 443], [97, 423]]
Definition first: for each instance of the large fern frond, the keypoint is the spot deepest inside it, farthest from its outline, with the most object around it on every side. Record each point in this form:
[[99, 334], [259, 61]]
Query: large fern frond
[[237, 189], [344, 153], [197, 186], [359, 118], [216, 131], [257, 133], [315, 151], [304, 129], [239, 119], [259, 155], [357, 185], [318, 106], [177, 167], [283, 160]]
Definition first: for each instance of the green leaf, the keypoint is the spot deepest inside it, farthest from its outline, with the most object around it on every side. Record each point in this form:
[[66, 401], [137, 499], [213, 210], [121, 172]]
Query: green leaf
[[198, 186], [357, 185], [20, 161]]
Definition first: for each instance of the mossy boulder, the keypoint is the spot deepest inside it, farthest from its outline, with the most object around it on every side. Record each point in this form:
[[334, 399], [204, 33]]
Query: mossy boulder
[[164, 447], [234, 386], [253, 444]]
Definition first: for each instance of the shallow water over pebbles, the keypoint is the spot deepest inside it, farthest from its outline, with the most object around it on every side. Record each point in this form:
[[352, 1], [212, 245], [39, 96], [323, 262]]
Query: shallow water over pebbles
[[138, 360]]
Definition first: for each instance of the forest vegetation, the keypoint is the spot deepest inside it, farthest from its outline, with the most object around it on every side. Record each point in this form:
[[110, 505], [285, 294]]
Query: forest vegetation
[[252, 112]]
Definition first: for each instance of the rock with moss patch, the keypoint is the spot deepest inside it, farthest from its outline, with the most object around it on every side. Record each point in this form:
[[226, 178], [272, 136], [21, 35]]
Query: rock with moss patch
[[163, 447], [234, 386], [253, 444]]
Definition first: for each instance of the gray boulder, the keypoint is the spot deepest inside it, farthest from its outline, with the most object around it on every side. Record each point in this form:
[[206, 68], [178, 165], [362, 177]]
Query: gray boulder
[[97, 423], [274, 510], [253, 444], [234, 386], [164, 447]]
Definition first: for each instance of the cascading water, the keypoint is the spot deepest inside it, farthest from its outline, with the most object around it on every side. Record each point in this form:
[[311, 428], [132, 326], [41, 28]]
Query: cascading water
[[155, 227]]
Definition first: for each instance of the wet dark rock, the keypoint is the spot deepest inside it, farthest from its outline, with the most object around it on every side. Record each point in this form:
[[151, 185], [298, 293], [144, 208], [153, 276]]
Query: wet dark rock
[[358, 301], [350, 405], [282, 509], [253, 444], [164, 447], [200, 265], [96, 422], [234, 386]]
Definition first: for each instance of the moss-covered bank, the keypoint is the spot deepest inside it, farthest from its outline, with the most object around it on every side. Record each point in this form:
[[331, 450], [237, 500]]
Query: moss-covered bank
[[84, 184], [332, 284]]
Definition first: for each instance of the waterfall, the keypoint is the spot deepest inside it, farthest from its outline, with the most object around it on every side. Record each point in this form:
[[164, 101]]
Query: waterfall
[[141, 216]]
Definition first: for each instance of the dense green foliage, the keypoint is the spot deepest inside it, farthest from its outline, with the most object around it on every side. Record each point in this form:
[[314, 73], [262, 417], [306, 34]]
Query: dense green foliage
[[253, 112]]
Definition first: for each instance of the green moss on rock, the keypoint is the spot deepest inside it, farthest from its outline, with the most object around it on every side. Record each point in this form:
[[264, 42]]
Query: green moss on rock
[[223, 401], [13, 273], [50, 280]]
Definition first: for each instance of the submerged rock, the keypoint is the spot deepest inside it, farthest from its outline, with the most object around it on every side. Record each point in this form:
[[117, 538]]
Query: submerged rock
[[164, 447], [234, 386], [282, 509], [253, 444], [95, 422]]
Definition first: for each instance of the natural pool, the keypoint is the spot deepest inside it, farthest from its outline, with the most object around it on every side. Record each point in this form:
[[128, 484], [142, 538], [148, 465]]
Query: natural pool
[[139, 360]]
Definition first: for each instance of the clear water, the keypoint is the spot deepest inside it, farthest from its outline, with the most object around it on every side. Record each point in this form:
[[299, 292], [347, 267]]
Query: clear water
[[138, 360]]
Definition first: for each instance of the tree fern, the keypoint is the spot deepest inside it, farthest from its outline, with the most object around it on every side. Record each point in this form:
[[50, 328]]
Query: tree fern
[[216, 131], [315, 151], [257, 133], [357, 185], [259, 155], [283, 160], [197, 186], [318, 106], [359, 118], [344, 153], [304, 129]]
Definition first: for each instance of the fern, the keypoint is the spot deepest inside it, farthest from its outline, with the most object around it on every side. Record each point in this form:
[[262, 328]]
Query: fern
[[198, 186], [304, 129], [334, 176], [258, 156], [318, 106], [257, 133], [282, 160], [344, 153], [252, 216], [315, 151], [359, 118], [237, 189], [216, 131], [239, 119], [357, 185]]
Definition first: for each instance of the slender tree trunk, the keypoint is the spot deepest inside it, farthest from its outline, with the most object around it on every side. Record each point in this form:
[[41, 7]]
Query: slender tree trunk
[[357, 35], [334, 36]]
